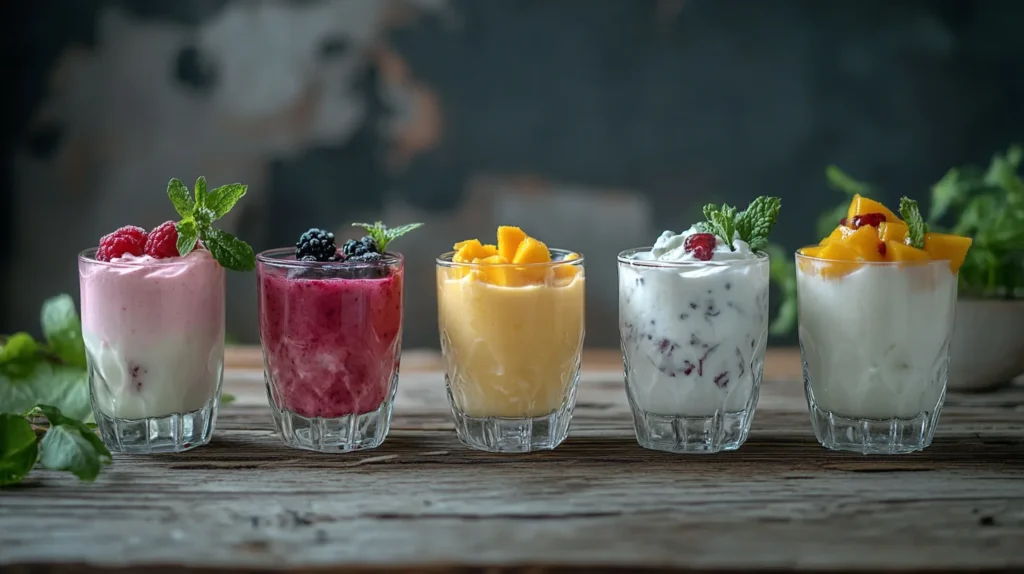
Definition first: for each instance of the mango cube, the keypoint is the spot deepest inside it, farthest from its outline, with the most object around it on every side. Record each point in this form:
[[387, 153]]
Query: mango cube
[[865, 243], [892, 231], [942, 246], [840, 232], [861, 205], [900, 251], [471, 250], [843, 260], [509, 238]]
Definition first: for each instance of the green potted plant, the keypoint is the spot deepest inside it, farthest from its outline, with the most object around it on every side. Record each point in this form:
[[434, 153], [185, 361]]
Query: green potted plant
[[987, 345]]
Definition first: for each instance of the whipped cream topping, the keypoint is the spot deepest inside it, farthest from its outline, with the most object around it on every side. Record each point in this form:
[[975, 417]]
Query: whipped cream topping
[[670, 247]]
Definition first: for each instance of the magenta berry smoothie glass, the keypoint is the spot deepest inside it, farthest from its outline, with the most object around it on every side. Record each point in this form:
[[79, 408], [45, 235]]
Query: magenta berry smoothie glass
[[331, 332]]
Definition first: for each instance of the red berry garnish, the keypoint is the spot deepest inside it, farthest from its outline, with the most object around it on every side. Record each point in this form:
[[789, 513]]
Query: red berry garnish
[[129, 240], [872, 219], [843, 222], [163, 241], [702, 245], [881, 248]]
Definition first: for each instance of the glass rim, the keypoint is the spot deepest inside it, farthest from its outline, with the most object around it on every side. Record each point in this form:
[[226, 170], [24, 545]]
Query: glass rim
[[445, 260], [276, 258], [626, 258], [920, 263], [89, 256]]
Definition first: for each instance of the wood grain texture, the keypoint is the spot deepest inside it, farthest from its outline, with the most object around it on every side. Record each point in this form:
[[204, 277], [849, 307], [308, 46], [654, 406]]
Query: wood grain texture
[[422, 502]]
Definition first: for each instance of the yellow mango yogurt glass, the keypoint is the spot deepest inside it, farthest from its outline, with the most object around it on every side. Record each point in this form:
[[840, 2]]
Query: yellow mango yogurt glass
[[511, 337]]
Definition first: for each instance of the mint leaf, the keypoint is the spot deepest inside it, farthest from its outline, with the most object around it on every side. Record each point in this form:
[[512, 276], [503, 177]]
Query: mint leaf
[[383, 235], [229, 251], [65, 448], [18, 349], [44, 382], [915, 223], [722, 222], [839, 180], [755, 223], [19, 450], [226, 399], [56, 417], [221, 200], [63, 330], [180, 198], [187, 236], [200, 193]]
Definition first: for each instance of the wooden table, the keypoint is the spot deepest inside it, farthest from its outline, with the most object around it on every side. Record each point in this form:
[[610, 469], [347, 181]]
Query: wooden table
[[424, 503]]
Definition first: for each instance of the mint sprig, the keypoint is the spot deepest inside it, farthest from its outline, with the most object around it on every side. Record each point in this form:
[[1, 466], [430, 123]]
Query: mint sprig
[[916, 227], [753, 224], [198, 213], [382, 235]]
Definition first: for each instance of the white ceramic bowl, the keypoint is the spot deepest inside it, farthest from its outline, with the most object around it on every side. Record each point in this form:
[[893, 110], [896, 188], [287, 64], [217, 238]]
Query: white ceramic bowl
[[986, 349]]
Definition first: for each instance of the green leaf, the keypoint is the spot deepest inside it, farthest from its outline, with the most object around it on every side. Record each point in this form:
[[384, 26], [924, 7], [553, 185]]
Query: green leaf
[[830, 219], [63, 330], [201, 198], [188, 235], [782, 272], [839, 180], [226, 399], [948, 192], [915, 223], [18, 348], [383, 235], [19, 450], [221, 200], [63, 386], [722, 222], [65, 448], [231, 252], [755, 223], [180, 198], [56, 417]]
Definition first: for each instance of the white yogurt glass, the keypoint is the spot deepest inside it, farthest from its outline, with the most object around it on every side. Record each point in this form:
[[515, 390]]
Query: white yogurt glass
[[874, 339], [693, 337], [154, 341]]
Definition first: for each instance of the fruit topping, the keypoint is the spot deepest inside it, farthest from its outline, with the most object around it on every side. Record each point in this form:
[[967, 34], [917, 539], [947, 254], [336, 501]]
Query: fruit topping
[[872, 219], [128, 240], [518, 269], [509, 238], [949, 247], [360, 247], [318, 244], [877, 235], [894, 230], [162, 242], [861, 205], [701, 245]]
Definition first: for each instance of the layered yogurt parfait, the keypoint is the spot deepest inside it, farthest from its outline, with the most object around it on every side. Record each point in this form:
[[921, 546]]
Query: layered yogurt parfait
[[876, 300], [511, 320], [331, 331], [693, 325], [153, 324]]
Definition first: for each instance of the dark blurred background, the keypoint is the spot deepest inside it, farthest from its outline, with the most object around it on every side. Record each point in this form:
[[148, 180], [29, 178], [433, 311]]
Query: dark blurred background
[[593, 124]]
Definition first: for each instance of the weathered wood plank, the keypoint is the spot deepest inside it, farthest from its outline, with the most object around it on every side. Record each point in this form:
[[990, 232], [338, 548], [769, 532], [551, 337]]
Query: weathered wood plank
[[423, 500]]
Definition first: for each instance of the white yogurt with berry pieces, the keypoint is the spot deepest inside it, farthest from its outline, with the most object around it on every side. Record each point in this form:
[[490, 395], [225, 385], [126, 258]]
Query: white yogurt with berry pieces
[[875, 340], [693, 331]]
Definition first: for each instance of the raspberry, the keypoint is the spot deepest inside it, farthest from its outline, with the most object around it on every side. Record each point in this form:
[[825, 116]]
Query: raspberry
[[872, 219], [127, 240], [881, 248], [163, 241], [702, 245]]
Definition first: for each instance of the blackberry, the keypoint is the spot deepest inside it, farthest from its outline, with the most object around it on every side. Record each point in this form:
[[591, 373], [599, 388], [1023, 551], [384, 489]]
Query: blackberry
[[318, 244], [354, 248], [368, 257]]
